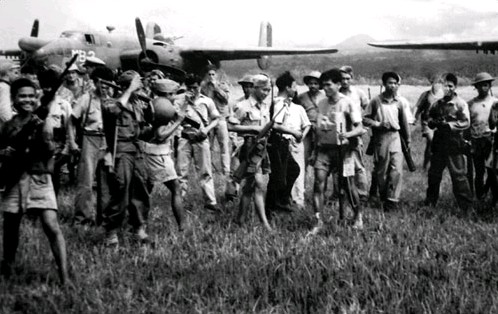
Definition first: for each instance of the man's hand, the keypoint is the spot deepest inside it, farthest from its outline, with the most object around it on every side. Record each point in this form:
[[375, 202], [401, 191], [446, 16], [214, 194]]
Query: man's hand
[[135, 84], [179, 116], [298, 135], [386, 125]]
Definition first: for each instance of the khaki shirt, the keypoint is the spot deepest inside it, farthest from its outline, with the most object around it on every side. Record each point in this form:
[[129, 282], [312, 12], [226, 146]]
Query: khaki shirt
[[91, 122], [250, 112], [203, 110]]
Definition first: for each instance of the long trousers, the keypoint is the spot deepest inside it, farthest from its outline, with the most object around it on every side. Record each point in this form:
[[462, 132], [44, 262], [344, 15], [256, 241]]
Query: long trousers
[[129, 192], [457, 166], [91, 164], [200, 154], [221, 135]]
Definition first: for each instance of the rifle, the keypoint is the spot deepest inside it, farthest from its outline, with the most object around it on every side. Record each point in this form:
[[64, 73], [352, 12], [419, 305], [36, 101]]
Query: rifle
[[407, 153], [13, 167], [46, 99], [239, 173]]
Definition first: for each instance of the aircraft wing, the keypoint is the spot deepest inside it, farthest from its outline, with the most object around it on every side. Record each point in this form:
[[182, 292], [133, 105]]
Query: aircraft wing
[[249, 53], [11, 53], [485, 45]]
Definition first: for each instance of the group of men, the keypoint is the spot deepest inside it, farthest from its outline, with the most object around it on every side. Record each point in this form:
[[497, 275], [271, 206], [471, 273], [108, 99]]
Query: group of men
[[128, 133]]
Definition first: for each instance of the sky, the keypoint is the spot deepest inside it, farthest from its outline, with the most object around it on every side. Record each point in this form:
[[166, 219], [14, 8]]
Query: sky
[[321, 23]]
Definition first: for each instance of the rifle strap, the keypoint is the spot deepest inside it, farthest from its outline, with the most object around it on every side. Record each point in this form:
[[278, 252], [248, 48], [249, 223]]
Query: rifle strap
[[87, 111]]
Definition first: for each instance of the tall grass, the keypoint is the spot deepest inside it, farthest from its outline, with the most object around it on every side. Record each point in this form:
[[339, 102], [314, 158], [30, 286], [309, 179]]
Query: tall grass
[[415, 260]]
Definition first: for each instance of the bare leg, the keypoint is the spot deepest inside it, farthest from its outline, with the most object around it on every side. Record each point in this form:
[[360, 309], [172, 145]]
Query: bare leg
[[54, 234], [259, 200], [319, 189], [176, 202]]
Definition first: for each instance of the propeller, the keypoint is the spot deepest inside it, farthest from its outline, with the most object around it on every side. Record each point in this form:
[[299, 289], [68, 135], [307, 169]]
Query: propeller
[[34, 28], [147, 63]]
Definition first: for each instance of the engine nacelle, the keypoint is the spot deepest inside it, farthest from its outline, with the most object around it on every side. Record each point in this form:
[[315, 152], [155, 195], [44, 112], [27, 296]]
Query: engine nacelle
[[264, 62]]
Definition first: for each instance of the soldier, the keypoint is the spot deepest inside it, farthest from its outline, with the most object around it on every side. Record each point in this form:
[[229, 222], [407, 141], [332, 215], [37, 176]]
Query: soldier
[[360, 100], [125, 120], [232, 188], [336, 114], [450, 117], [87, 118], [61, 115], [481, 135], [492, 161], [91, 63], [195, 143], [286, 152], [27, 151], [387, 117], [219, 93], [9, 71], [158, 153], [72, 88], [309, 100], [249, 117], [423, 105]]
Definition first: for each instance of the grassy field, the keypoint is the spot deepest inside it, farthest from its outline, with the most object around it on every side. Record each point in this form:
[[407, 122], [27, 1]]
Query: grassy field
[[416, 260]]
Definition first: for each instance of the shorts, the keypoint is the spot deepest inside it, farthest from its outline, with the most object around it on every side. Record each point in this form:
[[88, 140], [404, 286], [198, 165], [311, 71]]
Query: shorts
[[328, 159], [33, 191], [160, 168], [263, 167]]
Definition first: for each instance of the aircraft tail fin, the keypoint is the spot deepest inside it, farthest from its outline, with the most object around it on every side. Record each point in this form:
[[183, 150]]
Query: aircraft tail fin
[[265, 40]]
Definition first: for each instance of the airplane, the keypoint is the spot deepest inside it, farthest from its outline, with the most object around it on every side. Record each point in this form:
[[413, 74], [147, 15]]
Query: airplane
[[485, 45], [151, 50]]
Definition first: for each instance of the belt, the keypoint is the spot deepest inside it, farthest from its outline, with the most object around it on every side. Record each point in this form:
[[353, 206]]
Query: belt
[[93, 133]]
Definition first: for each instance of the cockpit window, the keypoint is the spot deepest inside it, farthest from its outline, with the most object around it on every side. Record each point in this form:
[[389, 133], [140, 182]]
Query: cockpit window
[[89, 39]]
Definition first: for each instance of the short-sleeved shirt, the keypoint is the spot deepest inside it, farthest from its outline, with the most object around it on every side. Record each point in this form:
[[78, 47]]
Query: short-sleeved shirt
[[92, 122], [310, 104], [344, 104], [327, 108], [358, 97], [292, 116], [388, 110], [203, 110], [251, 112], [407, 109], [479, 116]]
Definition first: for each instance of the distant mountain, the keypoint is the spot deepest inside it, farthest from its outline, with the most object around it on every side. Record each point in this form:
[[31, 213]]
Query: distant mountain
[[356, 43]]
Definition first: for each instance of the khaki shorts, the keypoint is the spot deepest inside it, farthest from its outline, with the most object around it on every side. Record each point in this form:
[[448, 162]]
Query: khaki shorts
[[33, 191], [160, 168]]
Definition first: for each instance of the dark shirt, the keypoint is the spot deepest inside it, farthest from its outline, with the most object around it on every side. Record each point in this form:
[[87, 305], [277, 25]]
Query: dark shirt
[[33, 149]]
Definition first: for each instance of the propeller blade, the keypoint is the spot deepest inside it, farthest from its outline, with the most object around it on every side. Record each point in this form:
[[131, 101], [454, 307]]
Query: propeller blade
[[141, 36], [34, 28]]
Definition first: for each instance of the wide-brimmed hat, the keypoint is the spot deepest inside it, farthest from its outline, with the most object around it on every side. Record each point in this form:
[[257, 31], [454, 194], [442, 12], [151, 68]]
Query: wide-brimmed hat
[[93, 61], [482, 77], [247, 79], [166, 86], [312, 75], [7, 65]]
